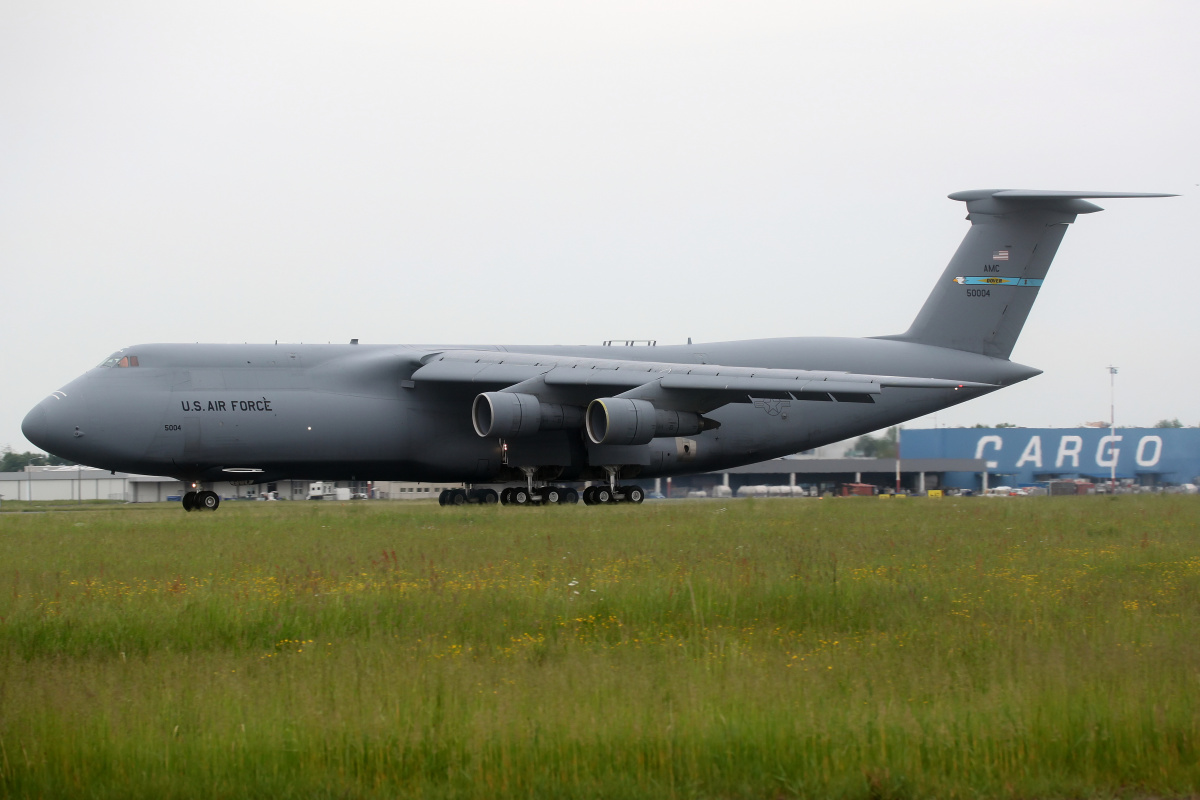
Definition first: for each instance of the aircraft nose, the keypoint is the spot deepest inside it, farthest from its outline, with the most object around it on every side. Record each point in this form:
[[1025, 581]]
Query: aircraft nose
[[34, 427], [53, 424]]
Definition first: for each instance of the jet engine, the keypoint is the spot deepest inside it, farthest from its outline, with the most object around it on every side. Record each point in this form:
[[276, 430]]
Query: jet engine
[[616, 420], [509, 415]]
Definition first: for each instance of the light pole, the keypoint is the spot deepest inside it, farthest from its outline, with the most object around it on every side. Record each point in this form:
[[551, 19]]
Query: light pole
[[1112, 425], [29, 471]]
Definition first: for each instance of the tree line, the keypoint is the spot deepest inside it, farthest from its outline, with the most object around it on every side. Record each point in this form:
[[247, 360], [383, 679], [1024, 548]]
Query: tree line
[[12, 461]]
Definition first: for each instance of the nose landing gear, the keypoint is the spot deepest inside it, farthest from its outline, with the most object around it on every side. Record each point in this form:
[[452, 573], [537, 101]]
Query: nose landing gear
[[201, 501]]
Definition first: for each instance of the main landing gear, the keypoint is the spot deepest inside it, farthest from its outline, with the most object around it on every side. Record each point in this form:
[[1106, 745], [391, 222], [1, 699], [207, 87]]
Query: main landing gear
[[543, 496], [530, 495], [613, 492], [547, 494], [599, 495], [460, 497], [539, 496], [201, 501]]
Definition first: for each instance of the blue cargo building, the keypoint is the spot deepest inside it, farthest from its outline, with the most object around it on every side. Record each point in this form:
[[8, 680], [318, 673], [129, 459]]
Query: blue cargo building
[[1016, 456]]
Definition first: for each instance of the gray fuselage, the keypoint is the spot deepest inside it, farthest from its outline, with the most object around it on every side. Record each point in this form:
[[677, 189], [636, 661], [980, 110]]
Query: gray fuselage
[[203, 412]]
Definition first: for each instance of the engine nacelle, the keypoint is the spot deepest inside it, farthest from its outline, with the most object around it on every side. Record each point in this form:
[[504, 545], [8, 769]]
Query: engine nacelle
[[680, 423], [510, 415], [617, 420]]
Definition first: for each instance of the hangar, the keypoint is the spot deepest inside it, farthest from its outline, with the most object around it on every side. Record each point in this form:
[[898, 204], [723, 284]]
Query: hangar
[[815, 475], [1016, 456], [80, 484]]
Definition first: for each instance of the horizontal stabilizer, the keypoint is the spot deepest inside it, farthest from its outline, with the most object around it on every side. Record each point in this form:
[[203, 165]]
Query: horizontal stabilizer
[[1041, 194]]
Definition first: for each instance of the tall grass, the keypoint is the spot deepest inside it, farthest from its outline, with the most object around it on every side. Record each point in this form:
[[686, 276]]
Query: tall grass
[[838, 648]]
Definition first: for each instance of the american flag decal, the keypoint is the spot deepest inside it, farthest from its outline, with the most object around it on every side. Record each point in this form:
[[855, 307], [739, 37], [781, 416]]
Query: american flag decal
[[1000, 255]]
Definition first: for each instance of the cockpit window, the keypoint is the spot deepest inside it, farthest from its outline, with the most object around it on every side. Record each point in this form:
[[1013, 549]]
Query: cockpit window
[[118, 360]]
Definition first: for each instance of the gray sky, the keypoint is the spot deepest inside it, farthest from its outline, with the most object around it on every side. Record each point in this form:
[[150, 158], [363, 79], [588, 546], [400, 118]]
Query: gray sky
[[566, 173]]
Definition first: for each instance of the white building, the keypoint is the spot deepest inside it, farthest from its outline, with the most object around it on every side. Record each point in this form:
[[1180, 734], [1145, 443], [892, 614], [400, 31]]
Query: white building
[[76, 484]]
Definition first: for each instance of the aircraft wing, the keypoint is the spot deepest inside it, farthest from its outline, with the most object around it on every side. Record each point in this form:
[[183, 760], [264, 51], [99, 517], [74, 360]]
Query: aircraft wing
[[697, 388]]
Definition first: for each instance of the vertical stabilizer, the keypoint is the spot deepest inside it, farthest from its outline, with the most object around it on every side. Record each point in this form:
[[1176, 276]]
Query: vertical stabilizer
[[983, 298]]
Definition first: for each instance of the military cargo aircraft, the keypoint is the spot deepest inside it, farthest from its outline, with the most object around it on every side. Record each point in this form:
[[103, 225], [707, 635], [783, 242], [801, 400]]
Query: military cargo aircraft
[[545, 417]]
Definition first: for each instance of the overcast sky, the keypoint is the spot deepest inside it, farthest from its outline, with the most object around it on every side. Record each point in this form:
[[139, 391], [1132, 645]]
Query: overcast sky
[[570, 172]]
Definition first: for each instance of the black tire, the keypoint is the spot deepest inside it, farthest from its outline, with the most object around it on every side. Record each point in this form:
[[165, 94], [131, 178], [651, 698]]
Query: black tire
[[207, 501], [458, 497], [570, 497], [506, 496], [442, 497], [189, 501], [603, 495], [589, 495], [552, 494], [488, 497], [635, 495], [520, 497]]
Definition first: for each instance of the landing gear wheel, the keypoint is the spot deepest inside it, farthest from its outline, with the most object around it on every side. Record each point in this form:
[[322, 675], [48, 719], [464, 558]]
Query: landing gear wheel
[[552, 495], [488, 497], [506, 496], [189, 501], [520, 497], [207, 501], [589, 496], [635, 495], [442, 497], [570, 497], [457, 497], [602, 495]]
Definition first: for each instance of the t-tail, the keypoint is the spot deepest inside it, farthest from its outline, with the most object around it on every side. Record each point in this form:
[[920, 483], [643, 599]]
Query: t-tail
[[982, 299]]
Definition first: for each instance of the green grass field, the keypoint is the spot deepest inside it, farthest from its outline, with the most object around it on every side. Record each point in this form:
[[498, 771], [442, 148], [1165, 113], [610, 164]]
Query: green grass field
[[1020, 648]]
